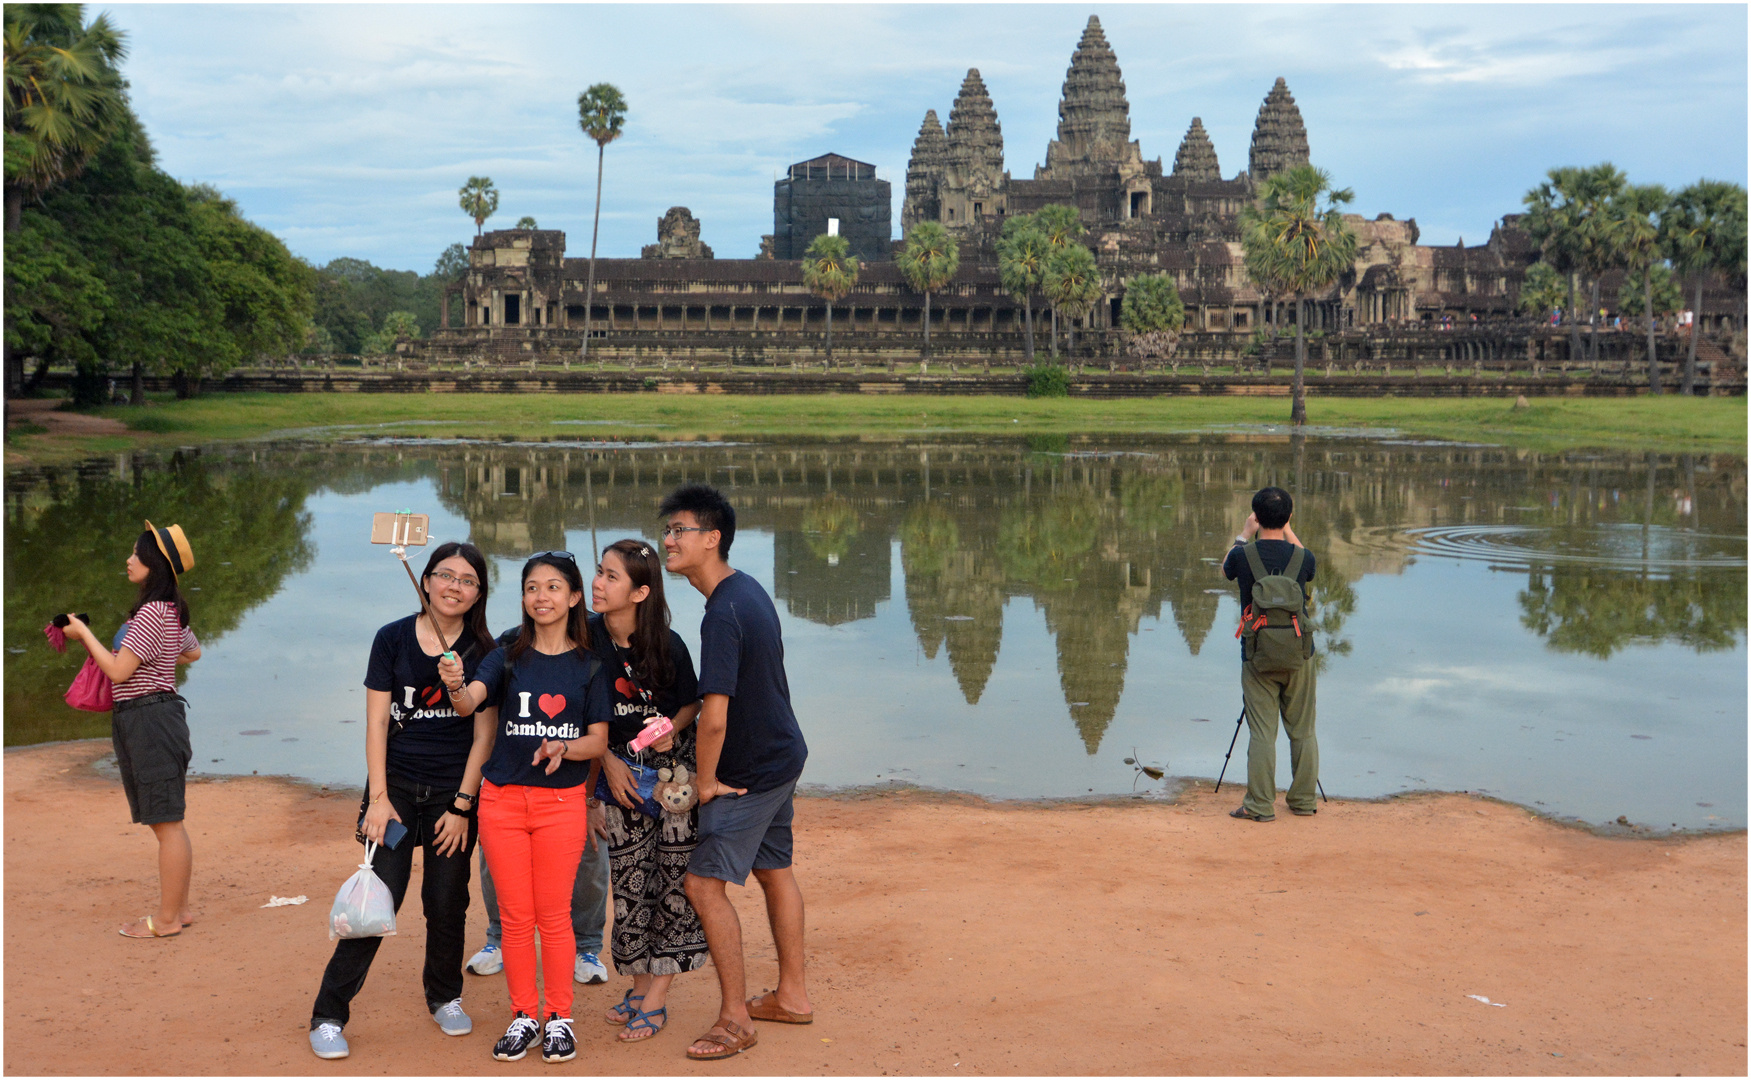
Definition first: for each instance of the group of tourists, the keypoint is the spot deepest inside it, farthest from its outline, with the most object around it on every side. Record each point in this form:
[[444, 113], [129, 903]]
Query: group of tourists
[[523, 745]]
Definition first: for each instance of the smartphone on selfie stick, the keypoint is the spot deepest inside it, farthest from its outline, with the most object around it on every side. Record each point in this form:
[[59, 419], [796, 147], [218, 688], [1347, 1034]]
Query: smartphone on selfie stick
[[402, 530]]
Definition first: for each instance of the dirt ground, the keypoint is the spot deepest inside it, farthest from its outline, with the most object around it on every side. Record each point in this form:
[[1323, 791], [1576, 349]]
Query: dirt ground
[[60, 429], [946, 937]]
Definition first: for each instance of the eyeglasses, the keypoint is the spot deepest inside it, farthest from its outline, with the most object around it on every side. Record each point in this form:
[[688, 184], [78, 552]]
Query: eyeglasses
[[451, 579], [566, 555], [677, 530]]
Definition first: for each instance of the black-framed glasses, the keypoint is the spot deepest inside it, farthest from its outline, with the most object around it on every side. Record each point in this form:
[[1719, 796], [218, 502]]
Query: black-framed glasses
[[677, 530], [566, 555]]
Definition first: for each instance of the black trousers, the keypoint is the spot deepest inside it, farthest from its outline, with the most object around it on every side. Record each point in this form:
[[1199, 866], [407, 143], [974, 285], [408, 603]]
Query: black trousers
[[443, 896]]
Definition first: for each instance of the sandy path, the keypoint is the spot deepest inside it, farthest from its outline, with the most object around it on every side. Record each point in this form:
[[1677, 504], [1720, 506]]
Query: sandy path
[[945, 938]]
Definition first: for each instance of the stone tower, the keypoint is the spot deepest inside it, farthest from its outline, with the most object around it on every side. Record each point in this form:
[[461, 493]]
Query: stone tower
[[1279, 138], [973, 180], [677, 237], [1094, 119], [923, 173], [1196, 159]]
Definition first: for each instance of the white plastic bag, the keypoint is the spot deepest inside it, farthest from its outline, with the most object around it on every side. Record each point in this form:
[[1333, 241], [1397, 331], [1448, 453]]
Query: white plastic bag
[[363, 907]]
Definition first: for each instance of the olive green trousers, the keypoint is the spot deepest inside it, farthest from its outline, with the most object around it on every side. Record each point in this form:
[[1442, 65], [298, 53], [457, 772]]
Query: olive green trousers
[[1290, 694]]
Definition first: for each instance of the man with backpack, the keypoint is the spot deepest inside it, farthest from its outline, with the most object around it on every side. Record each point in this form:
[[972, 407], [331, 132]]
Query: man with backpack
[[1276, 671]]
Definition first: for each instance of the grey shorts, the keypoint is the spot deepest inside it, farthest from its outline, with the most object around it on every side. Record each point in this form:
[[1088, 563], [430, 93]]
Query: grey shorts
[[150, 736], [739, 833]]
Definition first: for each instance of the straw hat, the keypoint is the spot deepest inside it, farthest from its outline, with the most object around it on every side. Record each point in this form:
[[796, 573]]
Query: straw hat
[[174, 546]]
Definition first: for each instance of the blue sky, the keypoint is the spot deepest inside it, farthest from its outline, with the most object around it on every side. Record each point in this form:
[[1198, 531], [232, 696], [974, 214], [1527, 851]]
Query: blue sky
[[346, 129]]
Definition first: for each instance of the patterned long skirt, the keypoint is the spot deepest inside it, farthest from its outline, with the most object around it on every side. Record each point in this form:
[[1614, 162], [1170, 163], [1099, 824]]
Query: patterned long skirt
[[656, 931]]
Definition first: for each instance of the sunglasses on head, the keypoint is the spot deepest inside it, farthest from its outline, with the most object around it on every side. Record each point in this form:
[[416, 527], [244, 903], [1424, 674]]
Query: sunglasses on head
[[566, 555]]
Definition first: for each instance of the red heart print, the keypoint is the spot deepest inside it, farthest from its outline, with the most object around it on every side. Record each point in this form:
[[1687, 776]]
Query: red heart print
[[551, 704], [624, 687], [431, 695]]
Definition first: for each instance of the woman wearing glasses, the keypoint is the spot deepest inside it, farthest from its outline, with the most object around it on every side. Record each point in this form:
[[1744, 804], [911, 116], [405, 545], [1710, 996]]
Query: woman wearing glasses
[[656, 931], [423, 758], [553, 713]]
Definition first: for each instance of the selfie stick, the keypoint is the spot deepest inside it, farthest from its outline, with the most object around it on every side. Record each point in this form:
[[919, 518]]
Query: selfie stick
[[403, 530], [1239, 720]]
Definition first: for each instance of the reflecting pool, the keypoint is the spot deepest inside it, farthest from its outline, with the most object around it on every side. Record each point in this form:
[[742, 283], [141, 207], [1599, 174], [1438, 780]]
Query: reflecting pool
[[1012, 618]]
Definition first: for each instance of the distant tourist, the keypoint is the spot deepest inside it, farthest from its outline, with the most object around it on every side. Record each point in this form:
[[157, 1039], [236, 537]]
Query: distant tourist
[[423, 757], [656, 931], [750, 754], [1276, 671], [553, 705], [149, 720]]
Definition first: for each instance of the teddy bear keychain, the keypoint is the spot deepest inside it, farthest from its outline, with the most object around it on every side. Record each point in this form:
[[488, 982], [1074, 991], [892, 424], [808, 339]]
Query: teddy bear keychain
[[676, 794]]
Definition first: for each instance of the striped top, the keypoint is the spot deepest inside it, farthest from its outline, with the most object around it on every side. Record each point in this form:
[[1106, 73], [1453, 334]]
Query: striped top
[[156, 635]]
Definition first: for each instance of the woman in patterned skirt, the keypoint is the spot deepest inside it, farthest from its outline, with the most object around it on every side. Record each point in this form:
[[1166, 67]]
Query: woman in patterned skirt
[[656, 932]]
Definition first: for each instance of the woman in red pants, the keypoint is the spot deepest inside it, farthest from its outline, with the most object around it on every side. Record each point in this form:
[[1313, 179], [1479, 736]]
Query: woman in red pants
[[553, 713]]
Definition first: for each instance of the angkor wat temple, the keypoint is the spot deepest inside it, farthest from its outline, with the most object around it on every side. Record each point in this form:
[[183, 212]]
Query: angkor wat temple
[[524, 297]]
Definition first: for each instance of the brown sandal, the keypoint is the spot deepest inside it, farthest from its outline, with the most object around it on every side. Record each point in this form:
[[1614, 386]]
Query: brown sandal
[[766, 1007], [732, 1037]]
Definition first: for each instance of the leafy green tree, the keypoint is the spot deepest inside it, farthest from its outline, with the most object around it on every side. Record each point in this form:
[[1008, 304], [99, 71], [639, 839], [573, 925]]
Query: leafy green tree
[[452, 263], [1570, 215], [1296, 240], [55, 296], [1666, 294], [1543, 290], [1636, 211], [396, 325], [1021, 266], [928, 261], [64, 96], [526, 222], [1061, 225], [602, 116], [479, 200], [266, 295], [1072, 284], [1704, 232], [830, 272], [1152, 314]]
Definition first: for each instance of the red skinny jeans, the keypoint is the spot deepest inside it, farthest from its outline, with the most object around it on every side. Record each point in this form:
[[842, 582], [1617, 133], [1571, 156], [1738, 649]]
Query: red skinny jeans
[[534, 837]]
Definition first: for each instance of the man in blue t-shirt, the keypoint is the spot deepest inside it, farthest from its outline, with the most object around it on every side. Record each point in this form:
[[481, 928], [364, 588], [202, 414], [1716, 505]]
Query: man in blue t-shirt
[[750, 753], [1268, 694]]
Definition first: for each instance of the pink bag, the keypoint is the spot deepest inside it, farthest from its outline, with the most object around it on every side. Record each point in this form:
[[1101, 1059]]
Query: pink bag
[[91, 690]]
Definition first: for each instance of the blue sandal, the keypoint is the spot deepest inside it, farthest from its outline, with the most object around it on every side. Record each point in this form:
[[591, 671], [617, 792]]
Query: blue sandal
[[643, 1020], [625, 1010]]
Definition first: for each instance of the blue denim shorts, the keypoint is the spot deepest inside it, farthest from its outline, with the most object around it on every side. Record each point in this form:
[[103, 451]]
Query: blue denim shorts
[[739, 833]]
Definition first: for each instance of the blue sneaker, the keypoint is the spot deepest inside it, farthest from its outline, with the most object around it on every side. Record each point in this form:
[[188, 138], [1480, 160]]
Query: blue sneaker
[[451, 1020], [327, 1041], [487, 961], [589, 969]]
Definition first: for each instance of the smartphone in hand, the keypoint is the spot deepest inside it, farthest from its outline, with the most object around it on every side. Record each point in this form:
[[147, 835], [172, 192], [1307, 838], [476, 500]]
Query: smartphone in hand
[[393, 834]]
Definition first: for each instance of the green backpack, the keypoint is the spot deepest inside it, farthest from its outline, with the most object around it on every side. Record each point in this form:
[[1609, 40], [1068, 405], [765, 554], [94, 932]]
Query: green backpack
[[1270, 627]]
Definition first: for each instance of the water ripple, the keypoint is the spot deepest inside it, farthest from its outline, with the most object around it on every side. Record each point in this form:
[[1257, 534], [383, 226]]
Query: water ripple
[[1622, 546]]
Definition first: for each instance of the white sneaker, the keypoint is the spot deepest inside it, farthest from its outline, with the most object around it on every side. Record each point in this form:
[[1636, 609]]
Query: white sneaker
[[327, 1041], [488, 961], [451, 1020], [590, 969]]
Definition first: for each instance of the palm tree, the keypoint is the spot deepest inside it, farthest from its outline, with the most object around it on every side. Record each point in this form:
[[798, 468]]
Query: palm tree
[[1601, 237], [830, 272], [1296, 246], [526, 222], [929, 261], [1021, 266], [1704, 230], [1637, 211], [1072, 284], [1061, 225], [64, 96], [1553, 219], [479, 200], [601, 114]]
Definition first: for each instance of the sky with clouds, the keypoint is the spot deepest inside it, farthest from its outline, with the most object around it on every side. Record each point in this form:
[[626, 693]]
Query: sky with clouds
[[346, 129]]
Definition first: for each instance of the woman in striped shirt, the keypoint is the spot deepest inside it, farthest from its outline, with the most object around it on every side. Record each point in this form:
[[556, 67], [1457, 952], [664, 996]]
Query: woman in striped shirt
[[149, 725]]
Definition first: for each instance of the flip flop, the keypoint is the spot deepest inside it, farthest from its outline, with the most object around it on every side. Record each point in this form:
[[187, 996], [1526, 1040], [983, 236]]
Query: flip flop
[[732, 1037], [766, 1007], [1247, 815], [625, 1010], [151, 930], [643, 1021]]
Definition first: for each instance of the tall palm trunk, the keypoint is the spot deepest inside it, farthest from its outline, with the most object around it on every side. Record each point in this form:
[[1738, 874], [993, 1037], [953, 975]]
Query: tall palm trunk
[[1648, 313], [595, 229], [137, 392], [927, 326], [1574, 323], [1298, 406], [1593, 324], [1689, 384], [1054, 333], [829, 333], [1028, 311]]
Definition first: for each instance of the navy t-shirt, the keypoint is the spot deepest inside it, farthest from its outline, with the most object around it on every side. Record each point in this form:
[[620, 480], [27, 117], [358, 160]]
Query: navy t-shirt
[[630, 707], [741, 654], [1275, 554], [542, 697], [428, 742]]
